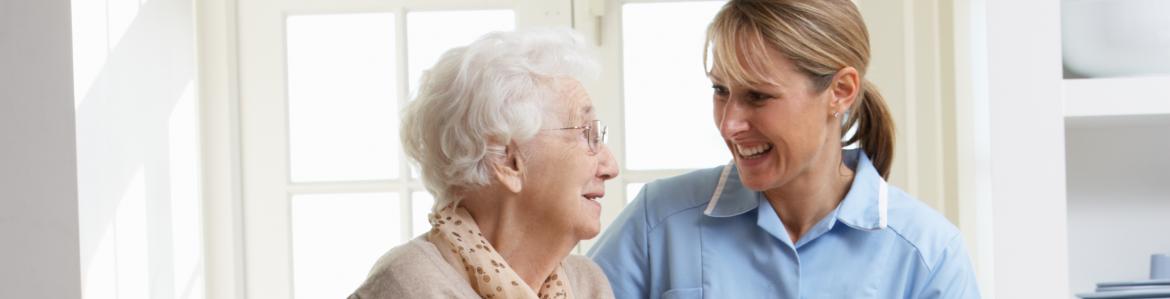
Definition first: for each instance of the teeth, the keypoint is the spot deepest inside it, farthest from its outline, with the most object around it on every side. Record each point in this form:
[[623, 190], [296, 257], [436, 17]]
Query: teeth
[[752, 151]]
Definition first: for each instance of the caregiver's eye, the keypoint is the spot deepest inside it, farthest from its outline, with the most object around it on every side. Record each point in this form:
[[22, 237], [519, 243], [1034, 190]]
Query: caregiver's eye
[[757, 97], [719, 90]]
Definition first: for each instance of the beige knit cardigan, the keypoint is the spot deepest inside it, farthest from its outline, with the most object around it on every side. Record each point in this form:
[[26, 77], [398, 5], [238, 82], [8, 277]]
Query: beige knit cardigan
[[417, 270]]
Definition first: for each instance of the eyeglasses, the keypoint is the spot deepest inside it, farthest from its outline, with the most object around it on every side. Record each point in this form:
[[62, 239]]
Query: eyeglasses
[[595, 132]]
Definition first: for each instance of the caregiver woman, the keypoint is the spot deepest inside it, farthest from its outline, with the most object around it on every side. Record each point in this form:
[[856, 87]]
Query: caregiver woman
[[793, 215]]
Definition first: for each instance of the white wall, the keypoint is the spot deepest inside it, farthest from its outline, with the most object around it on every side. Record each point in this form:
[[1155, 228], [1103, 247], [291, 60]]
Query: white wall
[[1020, 122], [1117, 197], [137, 149], [38, 203]]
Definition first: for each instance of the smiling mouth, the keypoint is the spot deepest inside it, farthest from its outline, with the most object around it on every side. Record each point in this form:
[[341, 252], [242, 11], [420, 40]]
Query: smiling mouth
[[753, 151]]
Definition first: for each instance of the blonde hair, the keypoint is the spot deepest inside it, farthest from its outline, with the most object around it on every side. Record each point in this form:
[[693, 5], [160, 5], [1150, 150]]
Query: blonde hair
[[820, 37]]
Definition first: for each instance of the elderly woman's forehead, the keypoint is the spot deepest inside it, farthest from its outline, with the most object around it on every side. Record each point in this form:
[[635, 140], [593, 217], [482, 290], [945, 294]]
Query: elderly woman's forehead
[[573, 99]]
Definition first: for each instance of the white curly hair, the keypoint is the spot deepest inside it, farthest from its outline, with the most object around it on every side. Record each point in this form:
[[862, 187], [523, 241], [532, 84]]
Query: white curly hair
[[479, 98]]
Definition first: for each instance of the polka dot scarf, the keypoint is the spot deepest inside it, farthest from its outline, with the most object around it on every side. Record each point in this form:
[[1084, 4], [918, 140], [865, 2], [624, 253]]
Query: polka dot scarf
[[458, 238]]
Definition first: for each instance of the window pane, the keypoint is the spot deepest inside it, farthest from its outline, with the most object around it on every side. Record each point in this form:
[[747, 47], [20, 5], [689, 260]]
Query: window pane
[[336, 239], [632, 190], [420, 206], [343, 116], [666, 92], [431, 33]]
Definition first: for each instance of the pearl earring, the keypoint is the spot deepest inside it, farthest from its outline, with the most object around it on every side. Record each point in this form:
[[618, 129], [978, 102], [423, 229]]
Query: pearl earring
[[836, 114]]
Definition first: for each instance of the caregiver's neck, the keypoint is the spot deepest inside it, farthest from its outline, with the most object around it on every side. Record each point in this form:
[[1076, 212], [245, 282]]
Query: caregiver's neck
[[813, 194]]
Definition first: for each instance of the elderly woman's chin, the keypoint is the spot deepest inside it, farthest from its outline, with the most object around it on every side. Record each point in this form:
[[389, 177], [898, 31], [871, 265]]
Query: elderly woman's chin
[[590, 223]]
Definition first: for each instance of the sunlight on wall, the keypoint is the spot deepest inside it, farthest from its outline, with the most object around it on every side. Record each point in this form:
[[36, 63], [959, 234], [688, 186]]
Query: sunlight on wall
[[121, 14], [100, 275], [137, 118], [130, 241], [90, 45], [186, 226], [98, 27]]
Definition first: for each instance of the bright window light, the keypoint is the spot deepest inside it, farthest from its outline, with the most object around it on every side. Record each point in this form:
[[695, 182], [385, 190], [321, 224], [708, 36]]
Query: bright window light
[[343, 116], [632, 190], [431, 33], [667, 96], [337, 238], [420, 207]]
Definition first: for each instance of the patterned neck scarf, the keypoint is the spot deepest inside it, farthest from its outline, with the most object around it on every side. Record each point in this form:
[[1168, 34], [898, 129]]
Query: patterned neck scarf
[[458, 238]]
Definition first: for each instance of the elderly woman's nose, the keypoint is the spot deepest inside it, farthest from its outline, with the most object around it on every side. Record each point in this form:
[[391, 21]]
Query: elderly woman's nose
[[607, 167], [733, 119]]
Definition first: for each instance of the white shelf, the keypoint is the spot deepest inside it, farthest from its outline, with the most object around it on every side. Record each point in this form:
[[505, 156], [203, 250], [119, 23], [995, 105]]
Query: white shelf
[[1117, 197], [1115, 145], [1117, 96]]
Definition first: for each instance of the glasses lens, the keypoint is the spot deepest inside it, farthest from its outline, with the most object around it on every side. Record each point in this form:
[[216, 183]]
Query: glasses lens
[[596, 134], [604, 134]]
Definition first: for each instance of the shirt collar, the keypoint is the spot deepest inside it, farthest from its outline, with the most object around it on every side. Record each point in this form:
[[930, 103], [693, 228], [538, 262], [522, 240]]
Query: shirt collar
[[864, 207], [731, 198]]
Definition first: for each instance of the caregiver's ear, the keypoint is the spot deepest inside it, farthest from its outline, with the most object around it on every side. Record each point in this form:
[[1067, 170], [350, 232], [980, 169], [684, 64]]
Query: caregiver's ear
[[845, 87], [508, 167]]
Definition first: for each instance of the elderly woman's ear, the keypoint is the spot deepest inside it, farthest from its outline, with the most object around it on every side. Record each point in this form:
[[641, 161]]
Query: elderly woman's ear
[[508, 168]]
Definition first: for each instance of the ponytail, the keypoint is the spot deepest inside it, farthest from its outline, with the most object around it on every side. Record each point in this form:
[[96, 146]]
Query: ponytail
[[875, 128]]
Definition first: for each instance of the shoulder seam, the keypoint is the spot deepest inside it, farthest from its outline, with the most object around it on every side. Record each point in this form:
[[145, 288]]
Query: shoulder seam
[[652, 224], [950, 242], [656, 225], [918, 251]]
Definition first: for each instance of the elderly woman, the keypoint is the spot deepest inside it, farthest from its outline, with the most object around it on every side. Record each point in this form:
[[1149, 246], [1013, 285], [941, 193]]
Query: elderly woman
[[793, 215], [508, 143]]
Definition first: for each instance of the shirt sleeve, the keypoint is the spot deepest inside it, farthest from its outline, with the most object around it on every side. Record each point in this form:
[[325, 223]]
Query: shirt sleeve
[[621, 252], [953, 276]]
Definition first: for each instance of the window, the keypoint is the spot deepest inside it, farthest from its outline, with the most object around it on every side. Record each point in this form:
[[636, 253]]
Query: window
[[328, 189], [343, 127], [665, 98], [659, 104], [662, 56], [336, 236], [341, 93]]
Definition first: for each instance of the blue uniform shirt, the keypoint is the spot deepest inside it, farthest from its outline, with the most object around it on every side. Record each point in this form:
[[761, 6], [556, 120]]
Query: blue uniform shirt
[[679, 239]]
